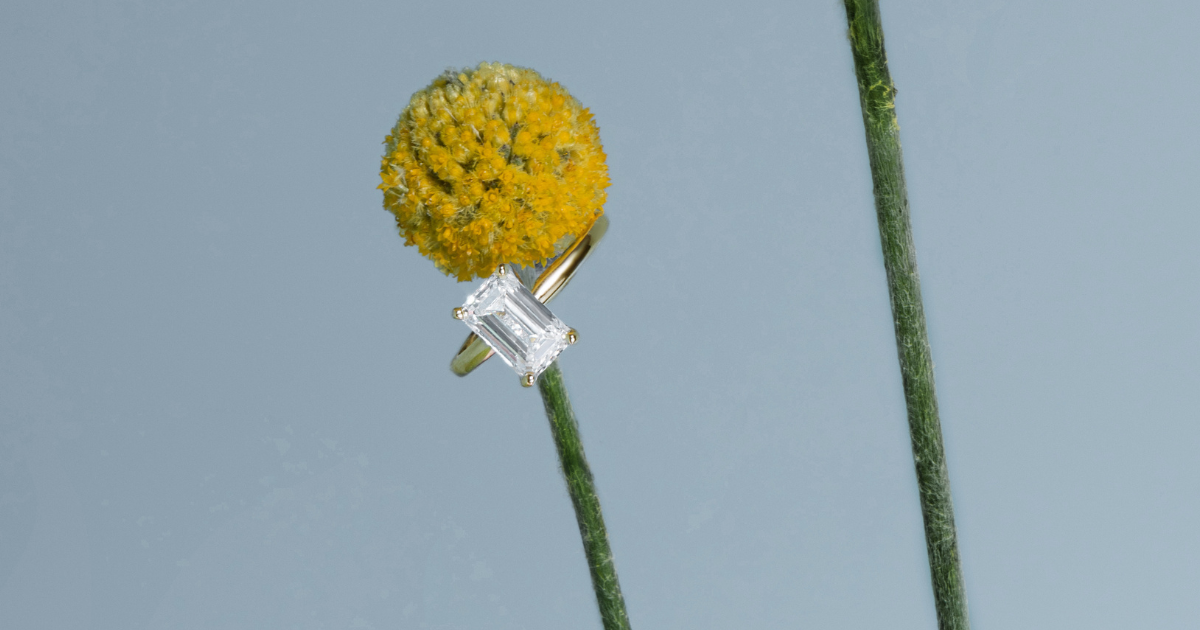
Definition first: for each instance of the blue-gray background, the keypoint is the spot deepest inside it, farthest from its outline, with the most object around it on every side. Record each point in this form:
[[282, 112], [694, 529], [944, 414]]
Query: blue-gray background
[[224, 394]]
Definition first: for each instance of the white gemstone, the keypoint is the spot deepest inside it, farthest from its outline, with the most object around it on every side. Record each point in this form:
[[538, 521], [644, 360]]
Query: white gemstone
[[515, 324]]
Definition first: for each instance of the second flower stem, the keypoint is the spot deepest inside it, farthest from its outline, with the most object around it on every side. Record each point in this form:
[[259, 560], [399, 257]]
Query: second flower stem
[[582, 489], [877, 95]]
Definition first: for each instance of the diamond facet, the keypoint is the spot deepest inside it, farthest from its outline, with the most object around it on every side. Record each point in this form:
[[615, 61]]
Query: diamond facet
[[515, 324]]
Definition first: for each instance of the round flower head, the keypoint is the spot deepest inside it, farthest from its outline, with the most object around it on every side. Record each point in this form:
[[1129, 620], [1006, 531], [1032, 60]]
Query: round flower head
[[490, 166]]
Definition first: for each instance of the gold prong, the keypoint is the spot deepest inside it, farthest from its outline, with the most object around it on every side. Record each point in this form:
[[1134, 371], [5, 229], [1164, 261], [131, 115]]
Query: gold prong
[[572, 336], [528, 380], [459, 313], [501, 270]]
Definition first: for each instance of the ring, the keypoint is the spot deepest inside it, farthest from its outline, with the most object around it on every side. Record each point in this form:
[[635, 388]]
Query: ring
[[547, 281]]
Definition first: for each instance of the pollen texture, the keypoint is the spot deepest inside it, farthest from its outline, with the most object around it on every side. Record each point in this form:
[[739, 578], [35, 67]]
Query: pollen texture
[[492, 165]]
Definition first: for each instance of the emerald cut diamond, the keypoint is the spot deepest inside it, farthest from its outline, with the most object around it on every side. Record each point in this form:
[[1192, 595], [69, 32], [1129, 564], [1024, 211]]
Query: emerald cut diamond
[[515, 324]]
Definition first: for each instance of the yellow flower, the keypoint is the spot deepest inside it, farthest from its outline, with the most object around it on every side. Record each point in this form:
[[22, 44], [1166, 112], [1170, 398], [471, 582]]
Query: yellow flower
[[493, 165]]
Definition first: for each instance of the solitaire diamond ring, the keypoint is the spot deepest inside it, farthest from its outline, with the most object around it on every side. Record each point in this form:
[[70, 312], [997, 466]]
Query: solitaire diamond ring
[[507, 314]]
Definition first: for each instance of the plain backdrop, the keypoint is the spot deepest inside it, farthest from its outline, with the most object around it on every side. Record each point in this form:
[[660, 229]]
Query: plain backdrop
[[224, 390]]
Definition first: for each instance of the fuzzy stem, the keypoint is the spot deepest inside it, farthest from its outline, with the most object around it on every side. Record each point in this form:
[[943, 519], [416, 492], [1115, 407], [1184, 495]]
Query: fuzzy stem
[[877, 94], [582, 489]]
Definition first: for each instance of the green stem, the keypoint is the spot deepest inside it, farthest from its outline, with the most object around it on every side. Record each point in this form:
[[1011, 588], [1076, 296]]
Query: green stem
[[877, 94], [583, 496]]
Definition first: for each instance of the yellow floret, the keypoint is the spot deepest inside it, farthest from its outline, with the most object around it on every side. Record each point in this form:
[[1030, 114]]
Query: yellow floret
[[493, 165]]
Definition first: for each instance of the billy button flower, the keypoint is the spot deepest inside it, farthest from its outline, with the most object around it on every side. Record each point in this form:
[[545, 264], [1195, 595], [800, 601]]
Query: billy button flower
[[493, 165]]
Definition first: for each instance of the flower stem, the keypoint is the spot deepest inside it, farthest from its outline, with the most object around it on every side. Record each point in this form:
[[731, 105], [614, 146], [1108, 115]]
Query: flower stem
[[877, 94], [583, 496]]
